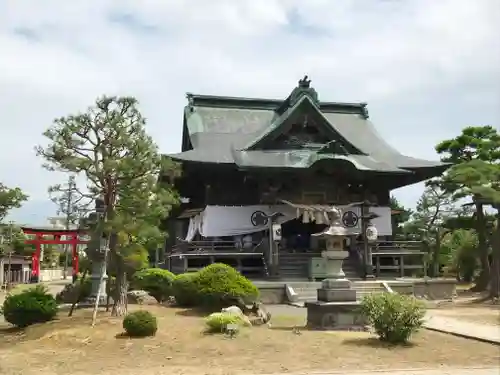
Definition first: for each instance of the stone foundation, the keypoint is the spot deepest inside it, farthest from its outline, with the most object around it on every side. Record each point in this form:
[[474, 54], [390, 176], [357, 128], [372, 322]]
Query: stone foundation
[[337, 316], [435, 289], [273, 294], [432, 289]]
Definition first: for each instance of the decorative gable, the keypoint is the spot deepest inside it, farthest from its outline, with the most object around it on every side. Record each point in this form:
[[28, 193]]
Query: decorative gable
[[299, 134], [300, 124]]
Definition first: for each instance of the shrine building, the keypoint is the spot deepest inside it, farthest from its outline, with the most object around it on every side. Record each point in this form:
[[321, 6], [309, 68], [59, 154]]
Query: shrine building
[[252, 167]]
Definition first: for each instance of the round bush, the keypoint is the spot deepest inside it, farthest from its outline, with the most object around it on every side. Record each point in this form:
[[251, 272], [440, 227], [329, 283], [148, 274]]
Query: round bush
[[184, 289], [394, 317], [31, 306], [140, 324], [156, 281], [218, 283], [217, 322]]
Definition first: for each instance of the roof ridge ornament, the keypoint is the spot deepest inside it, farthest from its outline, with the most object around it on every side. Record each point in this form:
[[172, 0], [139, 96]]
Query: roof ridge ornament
[[303, 88], [364, 111], [305, 82]]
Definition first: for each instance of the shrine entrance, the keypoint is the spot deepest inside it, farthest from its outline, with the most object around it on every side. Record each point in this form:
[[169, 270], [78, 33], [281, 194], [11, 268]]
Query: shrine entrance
[[72, 237]]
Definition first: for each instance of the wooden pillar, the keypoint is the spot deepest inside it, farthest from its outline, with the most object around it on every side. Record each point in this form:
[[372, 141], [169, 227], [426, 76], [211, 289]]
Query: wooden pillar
[[2, 272], [402, 266], [35, 260], [74, 257], [57, 238]]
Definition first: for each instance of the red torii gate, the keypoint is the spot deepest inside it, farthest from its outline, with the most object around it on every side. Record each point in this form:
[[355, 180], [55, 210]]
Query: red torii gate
[[72, 238]]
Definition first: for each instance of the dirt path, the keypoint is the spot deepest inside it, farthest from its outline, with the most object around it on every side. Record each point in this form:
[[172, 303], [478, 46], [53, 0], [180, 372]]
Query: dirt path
[[180, 347]]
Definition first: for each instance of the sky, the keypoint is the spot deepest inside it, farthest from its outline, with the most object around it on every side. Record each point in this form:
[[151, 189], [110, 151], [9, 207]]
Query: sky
[[427, 68]]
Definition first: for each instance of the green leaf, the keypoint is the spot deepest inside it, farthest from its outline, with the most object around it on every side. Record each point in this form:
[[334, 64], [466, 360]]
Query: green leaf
[[10, 198]]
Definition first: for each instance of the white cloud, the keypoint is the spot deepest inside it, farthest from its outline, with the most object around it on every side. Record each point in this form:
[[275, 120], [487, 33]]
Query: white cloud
[[427, 68]]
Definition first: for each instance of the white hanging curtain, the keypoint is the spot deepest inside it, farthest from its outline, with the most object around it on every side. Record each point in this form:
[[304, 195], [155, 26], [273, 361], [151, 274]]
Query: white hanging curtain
[[225, 221], [194, 227], [228, 221]]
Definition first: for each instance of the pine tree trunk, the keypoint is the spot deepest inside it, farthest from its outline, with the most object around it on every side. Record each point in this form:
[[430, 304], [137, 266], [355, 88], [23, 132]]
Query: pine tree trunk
[[495, 269], [121, 287], [484, 276], [120, 298]]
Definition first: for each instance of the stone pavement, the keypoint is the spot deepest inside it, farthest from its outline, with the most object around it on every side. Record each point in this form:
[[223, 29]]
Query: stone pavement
[[434, 322], [476, 331]]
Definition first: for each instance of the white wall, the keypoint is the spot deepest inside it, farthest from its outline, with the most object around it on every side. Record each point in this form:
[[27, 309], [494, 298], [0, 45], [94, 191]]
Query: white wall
[[51, 274]]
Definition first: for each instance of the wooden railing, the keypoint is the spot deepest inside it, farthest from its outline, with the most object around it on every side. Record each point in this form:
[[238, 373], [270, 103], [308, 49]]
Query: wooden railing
[[208, 247], [406, 256], [192, 256], [397, 247]]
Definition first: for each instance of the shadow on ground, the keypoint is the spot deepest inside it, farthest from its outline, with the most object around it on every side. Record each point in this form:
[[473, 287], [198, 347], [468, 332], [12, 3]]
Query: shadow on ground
[[374, 342]]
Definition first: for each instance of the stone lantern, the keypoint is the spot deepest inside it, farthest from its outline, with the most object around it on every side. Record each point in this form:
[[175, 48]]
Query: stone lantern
[[335, 287], [337, 307]]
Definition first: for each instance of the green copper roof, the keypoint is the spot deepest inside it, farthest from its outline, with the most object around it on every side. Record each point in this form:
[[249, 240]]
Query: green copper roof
[[230, 130], [304, 103], [227, 120]]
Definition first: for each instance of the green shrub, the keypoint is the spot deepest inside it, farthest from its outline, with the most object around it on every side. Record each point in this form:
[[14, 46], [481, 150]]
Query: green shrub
[[217, 322], [156, 281], [394, 317], [140, 324], [215, 283], [184, 289], [34, 305]]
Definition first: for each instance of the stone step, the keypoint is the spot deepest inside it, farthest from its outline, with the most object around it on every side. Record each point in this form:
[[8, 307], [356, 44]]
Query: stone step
[[313, 291], [284, 274], [308, 291], [292, 275]]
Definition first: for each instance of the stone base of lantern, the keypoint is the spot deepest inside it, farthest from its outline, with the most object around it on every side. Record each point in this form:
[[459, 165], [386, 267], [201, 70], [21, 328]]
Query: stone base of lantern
[[339, 295], [336, 290], [90, 302], [335, 316], [336, 309]]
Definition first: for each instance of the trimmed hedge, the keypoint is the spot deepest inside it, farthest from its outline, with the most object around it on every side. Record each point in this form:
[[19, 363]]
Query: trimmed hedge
[[140, 324], [156, 281], [31, 306], [218, 283], [214, 286], [184, 289]]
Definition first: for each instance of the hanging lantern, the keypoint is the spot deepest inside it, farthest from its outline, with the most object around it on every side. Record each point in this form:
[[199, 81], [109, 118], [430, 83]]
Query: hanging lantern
[[277, 232], [371, 233]]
